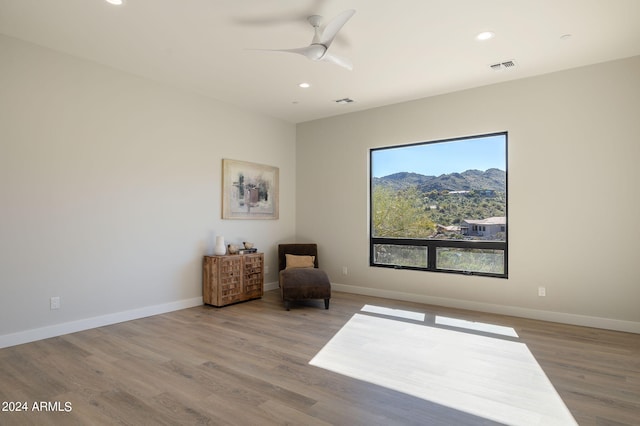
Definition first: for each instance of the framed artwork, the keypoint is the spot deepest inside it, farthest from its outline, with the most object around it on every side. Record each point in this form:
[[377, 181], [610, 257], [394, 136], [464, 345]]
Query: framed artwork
[[249, 190]]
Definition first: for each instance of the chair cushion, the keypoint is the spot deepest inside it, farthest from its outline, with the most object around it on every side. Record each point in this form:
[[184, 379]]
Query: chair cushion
[[304, 283]]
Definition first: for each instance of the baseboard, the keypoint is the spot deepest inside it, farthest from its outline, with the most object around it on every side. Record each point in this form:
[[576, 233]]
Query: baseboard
[[35, 334], [99, 321], [560, 317], [271, 286]]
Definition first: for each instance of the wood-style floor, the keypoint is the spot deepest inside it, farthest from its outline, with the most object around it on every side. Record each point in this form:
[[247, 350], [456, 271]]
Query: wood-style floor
[[248, 364]]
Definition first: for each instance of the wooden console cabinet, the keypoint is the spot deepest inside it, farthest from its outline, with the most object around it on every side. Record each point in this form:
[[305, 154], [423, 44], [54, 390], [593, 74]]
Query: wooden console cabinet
[[232, 278]]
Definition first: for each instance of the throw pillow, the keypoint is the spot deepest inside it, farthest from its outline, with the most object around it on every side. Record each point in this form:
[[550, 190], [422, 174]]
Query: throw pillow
[[294, 261]]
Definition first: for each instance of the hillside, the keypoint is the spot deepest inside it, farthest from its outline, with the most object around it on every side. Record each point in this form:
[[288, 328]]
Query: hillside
[[483, 195], [491, 179]]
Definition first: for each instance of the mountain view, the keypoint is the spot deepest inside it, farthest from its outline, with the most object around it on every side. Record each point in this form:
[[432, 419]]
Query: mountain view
[[491, 179], [414, 205]]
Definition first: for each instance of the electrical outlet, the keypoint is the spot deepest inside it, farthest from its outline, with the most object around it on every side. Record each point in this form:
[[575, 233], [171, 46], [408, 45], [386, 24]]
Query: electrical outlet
[[266, 269], [345, 271], [55, 302], [542, 291]]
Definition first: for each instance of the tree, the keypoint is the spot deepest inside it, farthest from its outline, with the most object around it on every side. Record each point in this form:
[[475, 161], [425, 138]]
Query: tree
[[400, 214]]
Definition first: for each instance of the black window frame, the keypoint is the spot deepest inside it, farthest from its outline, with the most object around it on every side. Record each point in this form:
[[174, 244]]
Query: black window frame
[[433, 244]]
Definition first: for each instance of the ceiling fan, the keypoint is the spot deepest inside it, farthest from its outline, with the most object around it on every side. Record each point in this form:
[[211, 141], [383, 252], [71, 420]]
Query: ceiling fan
[[318, 50]]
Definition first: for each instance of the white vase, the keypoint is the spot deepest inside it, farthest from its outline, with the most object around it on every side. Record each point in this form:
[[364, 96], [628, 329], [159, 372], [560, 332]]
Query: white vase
[[220, 248]]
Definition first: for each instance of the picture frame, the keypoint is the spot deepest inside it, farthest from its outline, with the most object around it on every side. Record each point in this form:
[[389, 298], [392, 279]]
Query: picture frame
[[249, 190]]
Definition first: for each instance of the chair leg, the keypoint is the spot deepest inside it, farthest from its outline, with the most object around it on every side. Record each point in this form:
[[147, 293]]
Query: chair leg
[[287, 305], [326, 303]]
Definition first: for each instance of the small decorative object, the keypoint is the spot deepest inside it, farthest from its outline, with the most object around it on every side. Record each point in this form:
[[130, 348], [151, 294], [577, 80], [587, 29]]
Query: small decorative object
[[249, 190], [220, 249], [233, 249], [247, 245], [248, 250]]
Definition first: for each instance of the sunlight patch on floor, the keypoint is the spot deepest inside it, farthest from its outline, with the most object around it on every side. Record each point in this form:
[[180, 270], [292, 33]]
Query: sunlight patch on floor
[[494, 378], [399, 313], [477, 326]]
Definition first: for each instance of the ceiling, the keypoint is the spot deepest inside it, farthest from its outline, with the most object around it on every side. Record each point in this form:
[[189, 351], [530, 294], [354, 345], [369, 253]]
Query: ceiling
[[401, 50]]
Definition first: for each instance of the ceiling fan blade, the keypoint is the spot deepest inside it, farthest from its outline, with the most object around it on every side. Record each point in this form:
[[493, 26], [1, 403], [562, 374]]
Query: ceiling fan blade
[[314, 52], [337, 60], [333, 27]]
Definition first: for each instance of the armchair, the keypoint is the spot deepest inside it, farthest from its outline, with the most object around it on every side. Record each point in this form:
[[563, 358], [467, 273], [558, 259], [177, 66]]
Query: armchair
[[300, 278]]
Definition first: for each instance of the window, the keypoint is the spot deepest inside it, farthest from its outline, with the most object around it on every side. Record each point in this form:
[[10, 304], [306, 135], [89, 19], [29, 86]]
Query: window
[[441, 206]]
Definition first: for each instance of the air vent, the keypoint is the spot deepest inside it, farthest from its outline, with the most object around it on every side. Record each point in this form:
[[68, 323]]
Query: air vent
[[344, 101], [503, 65]]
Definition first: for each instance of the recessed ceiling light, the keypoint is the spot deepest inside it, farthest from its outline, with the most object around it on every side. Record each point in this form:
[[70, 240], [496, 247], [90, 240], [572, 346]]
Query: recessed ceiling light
[[304, 85], [485, 35], [344, 101], [116, 2]]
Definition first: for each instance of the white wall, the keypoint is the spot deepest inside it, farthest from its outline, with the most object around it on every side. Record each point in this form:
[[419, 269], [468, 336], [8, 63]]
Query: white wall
[[110, 191], [574, 145]]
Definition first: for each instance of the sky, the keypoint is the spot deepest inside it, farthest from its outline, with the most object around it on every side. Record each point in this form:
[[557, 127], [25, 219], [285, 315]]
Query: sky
[[434, 159]]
